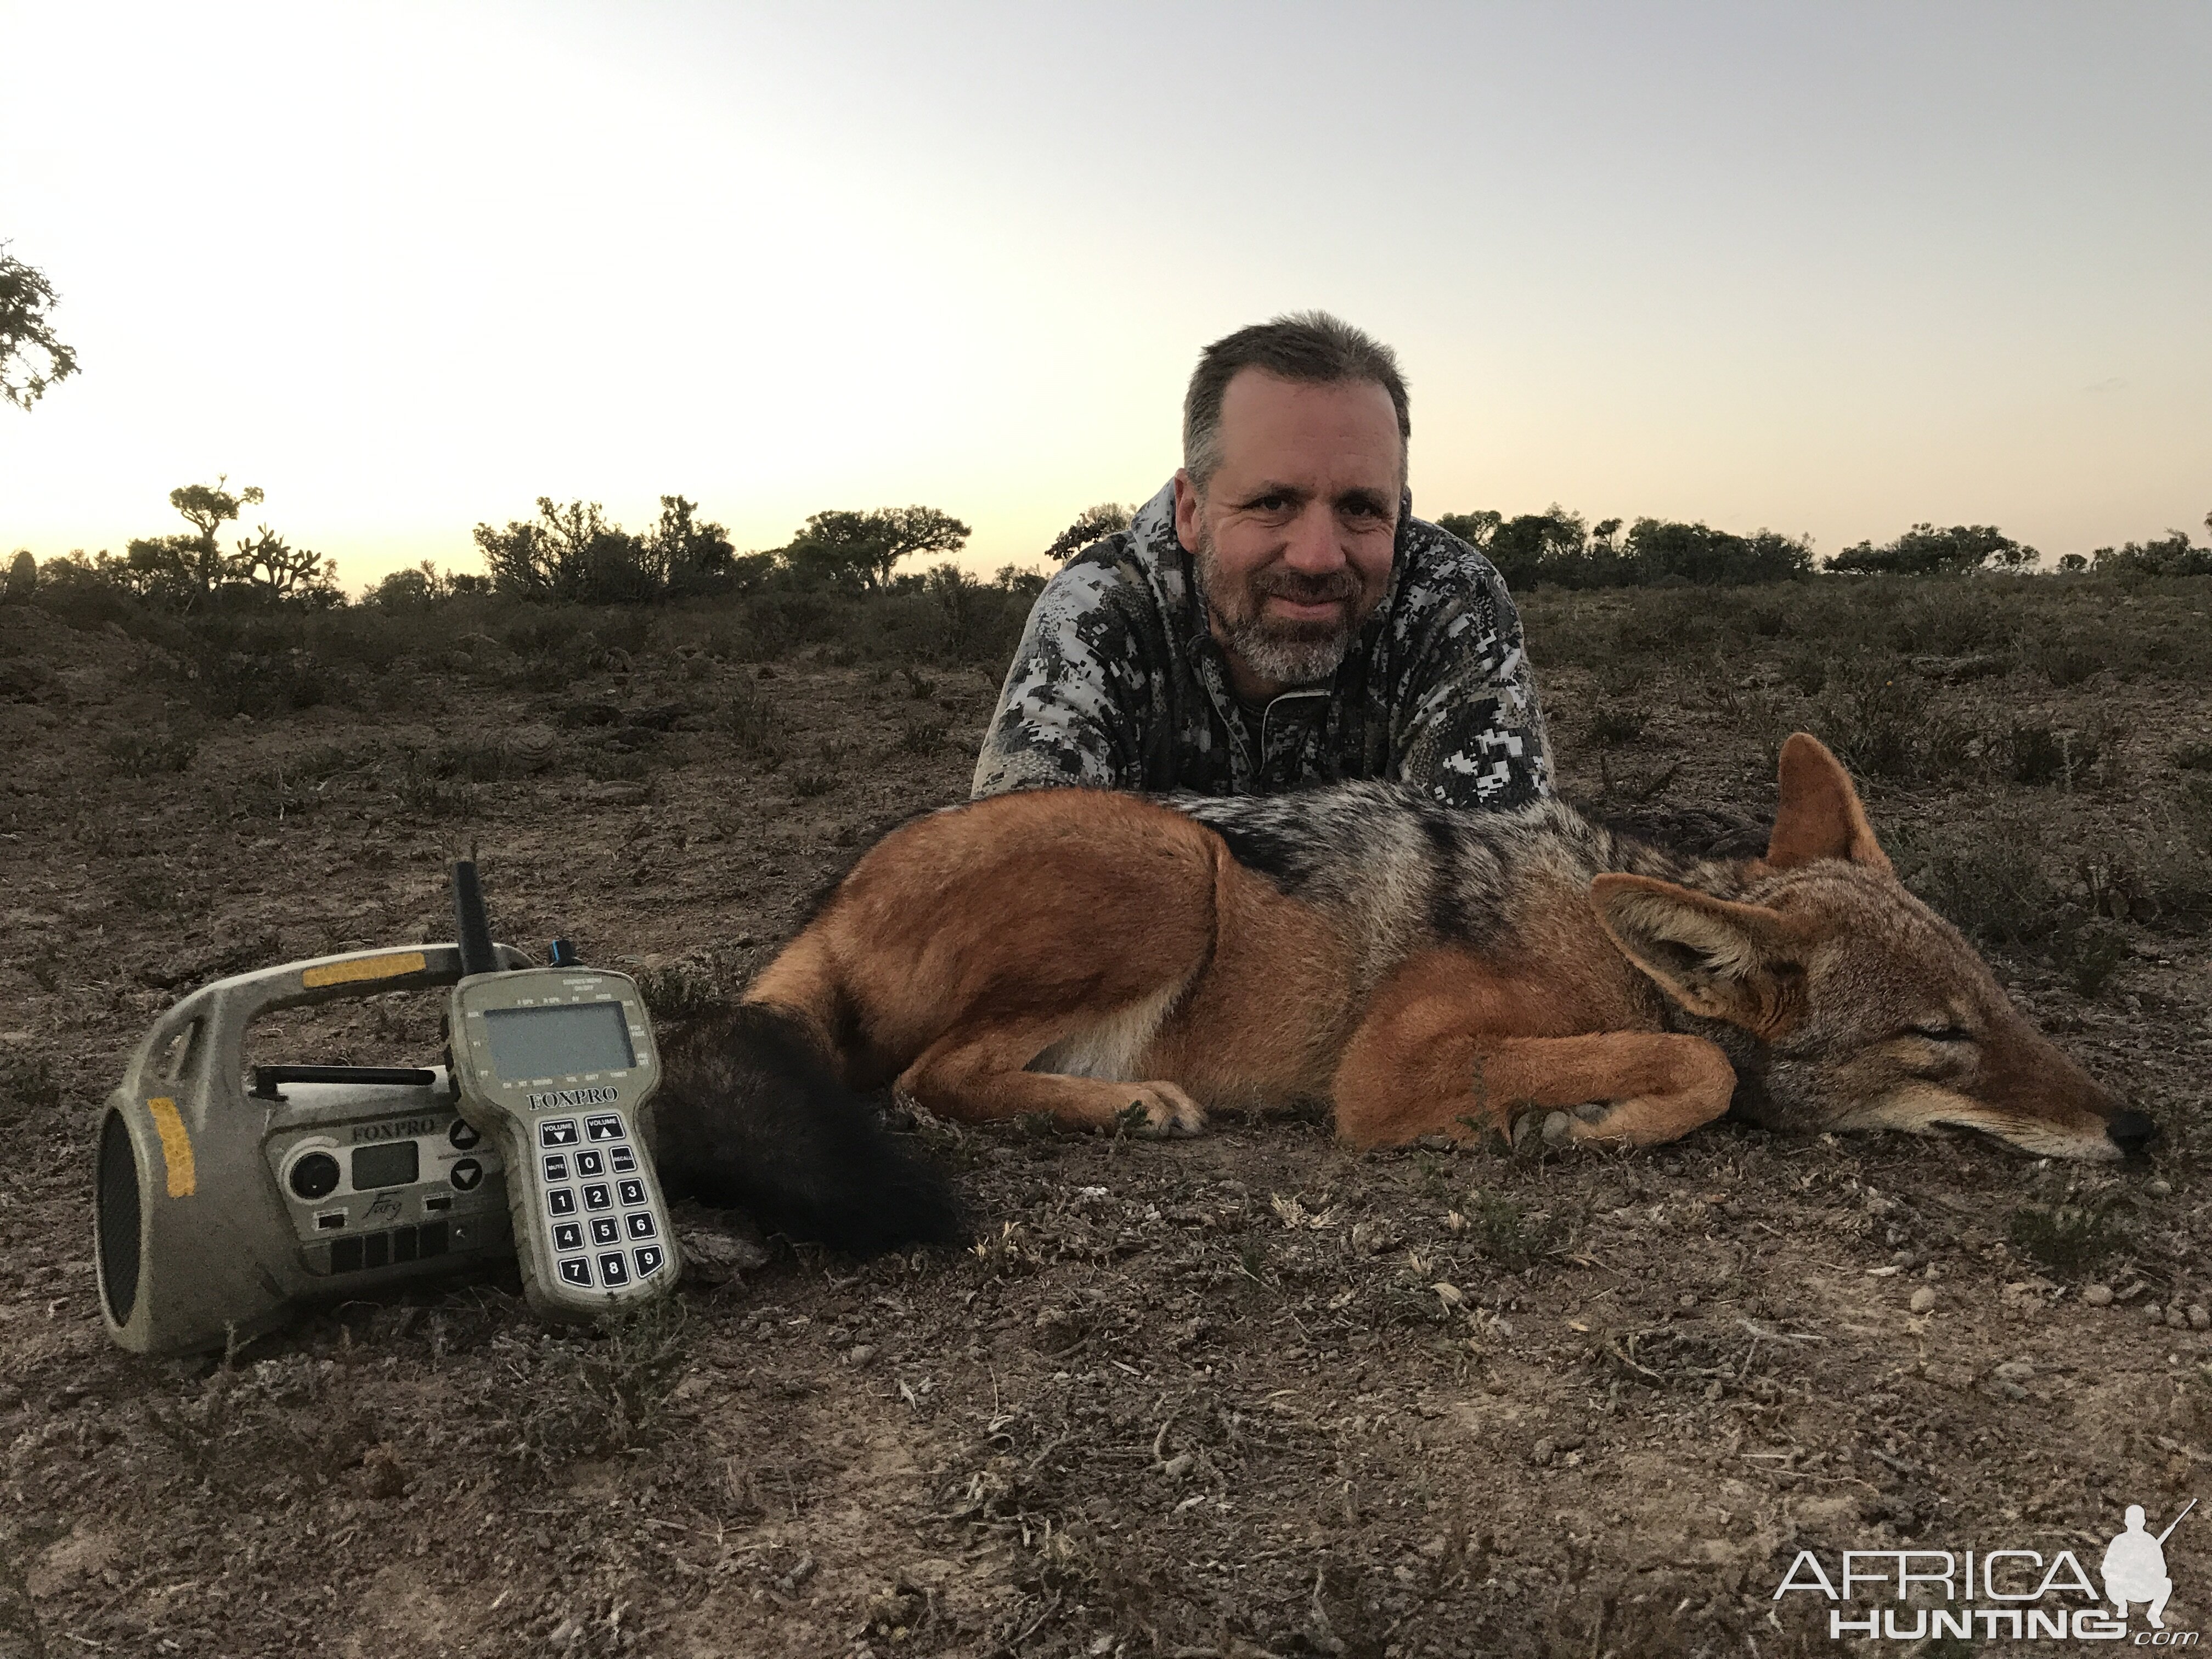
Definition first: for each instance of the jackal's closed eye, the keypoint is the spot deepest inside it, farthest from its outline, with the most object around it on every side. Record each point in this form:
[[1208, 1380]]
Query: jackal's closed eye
[[1941, 1031]]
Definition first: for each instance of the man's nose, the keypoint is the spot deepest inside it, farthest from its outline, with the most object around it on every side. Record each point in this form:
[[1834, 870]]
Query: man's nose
[[1315, 547]]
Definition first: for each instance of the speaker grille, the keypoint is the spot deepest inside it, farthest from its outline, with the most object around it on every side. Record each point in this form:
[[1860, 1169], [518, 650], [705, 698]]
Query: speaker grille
[[117, 1219]]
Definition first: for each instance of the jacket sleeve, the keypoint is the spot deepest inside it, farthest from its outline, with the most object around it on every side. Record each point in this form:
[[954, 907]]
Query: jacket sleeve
[[1468, 729], [1070, 712]]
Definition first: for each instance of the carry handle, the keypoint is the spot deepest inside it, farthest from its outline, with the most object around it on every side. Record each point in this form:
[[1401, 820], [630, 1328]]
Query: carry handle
[[216, 1016]]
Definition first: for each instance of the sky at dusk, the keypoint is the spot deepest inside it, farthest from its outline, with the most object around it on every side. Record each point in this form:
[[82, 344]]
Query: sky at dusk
[[1827, 269]]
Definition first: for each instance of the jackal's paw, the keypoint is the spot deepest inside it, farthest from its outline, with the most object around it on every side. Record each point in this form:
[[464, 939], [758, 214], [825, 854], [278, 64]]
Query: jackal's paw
[[1163, 1109]]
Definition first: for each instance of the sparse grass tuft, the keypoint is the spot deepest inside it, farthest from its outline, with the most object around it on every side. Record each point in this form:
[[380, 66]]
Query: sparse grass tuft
[[607, 1393], [427, 790], [920, 736], [1611, 727], [1509, 1233], [2197, 810], [2090, 955], [2032, 755], [29, 1087], [2067, 1238], [753, 723], [681, 990], [152, 752]]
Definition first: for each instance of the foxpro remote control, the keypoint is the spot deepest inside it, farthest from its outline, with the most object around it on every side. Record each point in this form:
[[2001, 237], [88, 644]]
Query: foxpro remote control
[[552, 1065]]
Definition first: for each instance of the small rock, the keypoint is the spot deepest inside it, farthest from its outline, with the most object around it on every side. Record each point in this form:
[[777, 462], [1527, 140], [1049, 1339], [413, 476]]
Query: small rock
[[2177, 1317], [860, 1354], [1714, 1391], [532, 744], [381, 1473], [1558, 1127], [2098, 1295], [2016, 1371], [1923, 1300], [2156, 1314], [1540, 1453], [2158, 1187], [716, 1255], [2199, 1317]]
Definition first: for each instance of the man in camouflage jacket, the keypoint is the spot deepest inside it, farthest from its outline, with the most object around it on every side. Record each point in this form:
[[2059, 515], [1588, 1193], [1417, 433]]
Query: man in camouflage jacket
[[1123, 680]]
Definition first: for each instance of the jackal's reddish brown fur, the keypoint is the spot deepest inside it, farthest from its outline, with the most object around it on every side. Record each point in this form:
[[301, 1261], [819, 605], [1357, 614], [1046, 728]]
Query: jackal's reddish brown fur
[[1108, 959]]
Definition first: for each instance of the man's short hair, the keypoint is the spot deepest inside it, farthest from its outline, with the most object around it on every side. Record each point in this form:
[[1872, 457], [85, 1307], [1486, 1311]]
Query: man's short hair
[[1310, 347]]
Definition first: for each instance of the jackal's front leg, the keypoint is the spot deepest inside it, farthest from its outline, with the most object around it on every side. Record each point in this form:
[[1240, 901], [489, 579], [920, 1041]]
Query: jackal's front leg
[[1425, 1067]]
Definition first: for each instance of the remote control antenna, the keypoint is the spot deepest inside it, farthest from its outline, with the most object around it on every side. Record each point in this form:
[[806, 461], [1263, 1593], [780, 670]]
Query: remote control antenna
[[473, 927]]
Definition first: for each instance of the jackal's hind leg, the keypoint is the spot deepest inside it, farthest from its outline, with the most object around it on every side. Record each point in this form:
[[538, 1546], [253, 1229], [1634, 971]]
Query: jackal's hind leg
[[977, 1076]]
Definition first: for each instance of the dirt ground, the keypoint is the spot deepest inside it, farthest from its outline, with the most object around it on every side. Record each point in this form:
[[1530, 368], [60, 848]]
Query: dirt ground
[[1248, 1395]]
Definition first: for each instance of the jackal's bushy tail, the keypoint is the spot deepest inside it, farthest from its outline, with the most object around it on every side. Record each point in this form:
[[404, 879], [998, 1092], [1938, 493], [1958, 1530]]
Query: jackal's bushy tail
[[751, 1116]]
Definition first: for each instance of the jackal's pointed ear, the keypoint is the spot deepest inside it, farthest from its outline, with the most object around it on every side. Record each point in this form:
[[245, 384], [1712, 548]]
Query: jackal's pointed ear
[[1819, 817], [1741, 963]]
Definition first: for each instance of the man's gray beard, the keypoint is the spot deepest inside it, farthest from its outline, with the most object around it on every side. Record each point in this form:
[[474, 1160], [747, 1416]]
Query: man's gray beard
[[1282, 654]]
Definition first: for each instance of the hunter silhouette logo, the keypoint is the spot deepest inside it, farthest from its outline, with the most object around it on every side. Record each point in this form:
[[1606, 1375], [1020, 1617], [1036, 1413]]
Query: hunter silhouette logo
[[2134, 1565]]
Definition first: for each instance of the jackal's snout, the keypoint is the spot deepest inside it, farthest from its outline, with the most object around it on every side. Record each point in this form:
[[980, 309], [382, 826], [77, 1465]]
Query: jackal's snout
[[2132, 1131]]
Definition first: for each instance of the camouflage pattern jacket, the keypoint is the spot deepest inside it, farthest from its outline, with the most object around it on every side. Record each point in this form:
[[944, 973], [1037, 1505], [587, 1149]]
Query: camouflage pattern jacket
[[1119, 684]]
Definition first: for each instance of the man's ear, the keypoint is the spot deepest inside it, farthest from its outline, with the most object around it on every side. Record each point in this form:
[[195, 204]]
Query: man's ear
[[1819, 817], [1186, 510], [1741, 963]]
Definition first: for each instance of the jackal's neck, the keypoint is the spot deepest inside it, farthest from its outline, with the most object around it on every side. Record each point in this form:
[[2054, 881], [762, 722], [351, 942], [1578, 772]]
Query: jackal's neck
[[1623, 854]]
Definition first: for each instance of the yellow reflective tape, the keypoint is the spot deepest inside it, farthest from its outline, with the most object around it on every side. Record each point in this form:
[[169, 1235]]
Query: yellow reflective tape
[[344, 973], [176, 1147]]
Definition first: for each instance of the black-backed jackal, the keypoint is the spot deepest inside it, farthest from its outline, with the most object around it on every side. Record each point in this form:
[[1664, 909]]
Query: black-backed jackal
[[1109, 959]]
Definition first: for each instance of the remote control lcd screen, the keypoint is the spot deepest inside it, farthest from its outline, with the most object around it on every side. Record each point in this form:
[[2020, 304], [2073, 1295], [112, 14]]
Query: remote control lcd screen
[[559, 1041], [394, 1164]]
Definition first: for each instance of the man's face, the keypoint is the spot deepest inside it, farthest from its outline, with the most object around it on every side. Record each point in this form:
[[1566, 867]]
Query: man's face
[[1294, 532]]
